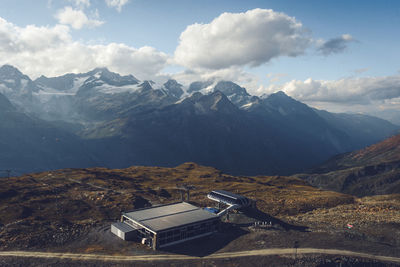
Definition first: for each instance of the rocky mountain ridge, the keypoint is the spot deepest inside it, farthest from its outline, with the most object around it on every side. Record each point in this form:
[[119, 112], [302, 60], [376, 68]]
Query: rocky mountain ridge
[[369, 171], [124, 121]]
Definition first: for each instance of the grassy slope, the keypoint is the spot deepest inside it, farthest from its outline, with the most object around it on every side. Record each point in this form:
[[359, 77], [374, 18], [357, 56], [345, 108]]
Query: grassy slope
[[374, 170], [69, 209], [32, 206]]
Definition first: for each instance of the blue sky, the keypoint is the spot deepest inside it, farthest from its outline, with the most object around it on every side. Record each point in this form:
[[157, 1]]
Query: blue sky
[[336, 55]]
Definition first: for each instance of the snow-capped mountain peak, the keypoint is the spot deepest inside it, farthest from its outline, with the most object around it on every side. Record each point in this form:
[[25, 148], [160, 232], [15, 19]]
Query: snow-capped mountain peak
[[173, 88], [9, 71], [16, 86]]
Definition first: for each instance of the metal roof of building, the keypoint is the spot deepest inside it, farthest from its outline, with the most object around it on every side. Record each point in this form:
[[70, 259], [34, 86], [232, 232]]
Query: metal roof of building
[[228, 194], [169, 216]]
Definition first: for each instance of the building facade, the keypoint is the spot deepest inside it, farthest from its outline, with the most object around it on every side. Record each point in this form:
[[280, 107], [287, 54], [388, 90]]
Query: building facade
[[169, 224]]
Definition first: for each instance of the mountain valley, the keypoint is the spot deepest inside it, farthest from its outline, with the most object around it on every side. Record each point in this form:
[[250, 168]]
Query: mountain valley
[[115, 121]]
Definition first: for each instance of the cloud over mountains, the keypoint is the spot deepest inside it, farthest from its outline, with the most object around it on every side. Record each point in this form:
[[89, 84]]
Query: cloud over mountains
[[238, 39], [52, 51], [223, 49], [81, 3], [118, 4], [348, 90], [76, 18]]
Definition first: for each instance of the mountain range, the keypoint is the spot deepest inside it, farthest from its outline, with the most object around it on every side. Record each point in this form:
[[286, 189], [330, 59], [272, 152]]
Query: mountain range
[[101, 118], [30, 144]]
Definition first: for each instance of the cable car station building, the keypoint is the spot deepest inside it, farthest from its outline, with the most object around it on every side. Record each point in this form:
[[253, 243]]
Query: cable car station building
[[166, 225]]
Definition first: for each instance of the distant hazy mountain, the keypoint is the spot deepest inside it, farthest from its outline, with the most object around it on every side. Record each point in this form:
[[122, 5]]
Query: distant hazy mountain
[[17, 87], [99, 76], [124, 121], [173, 88], [372, 170], [236, 94], [198, 86], [280, 136], [28, 144], [5, 105], [202, 128], [361, 129], [101, 95]]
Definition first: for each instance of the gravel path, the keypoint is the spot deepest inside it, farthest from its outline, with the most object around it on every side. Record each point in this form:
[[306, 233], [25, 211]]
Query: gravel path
[[172, 257]]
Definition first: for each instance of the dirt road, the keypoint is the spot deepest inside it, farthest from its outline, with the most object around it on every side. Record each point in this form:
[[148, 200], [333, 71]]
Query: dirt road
[[172, 257]]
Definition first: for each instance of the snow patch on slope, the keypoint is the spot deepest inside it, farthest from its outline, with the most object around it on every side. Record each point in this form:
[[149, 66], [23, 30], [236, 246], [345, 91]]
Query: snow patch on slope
[[109, 89]]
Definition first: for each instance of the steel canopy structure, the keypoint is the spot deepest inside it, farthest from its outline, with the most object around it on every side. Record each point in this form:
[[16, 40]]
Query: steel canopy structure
[[229, 198]]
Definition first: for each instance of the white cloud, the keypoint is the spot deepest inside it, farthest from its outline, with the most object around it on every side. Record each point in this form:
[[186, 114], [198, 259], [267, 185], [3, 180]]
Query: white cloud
[[362, 91], [234, 74], [81, 3], [376, 96], [30, 39], [238, 39], [145, 62], [76, 18], [118, 4], [52, 51]]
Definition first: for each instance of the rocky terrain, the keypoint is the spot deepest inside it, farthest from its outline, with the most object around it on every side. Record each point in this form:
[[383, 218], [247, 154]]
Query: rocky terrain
[[374, 170], [70, 210]]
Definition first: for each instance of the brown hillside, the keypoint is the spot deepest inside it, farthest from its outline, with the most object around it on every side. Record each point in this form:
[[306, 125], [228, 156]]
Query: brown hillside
[[35, 206], [380, 153], [71, 210], [374, 170], [385, 151]]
